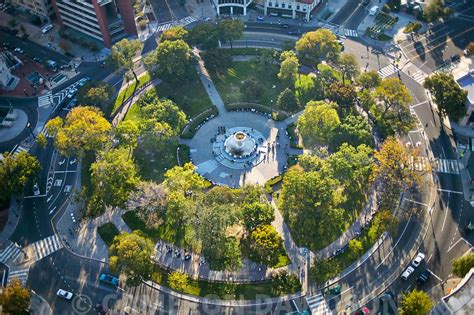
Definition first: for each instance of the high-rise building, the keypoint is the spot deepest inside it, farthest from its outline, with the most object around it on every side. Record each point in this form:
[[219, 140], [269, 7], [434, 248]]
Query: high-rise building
[[42, 8], [106, 20]]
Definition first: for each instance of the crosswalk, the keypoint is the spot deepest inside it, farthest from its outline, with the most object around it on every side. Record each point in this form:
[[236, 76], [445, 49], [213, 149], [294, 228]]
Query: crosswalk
[[351, 33], [45, 100], [50, 99], [21, 274], [387, 71], [419, 76], [183, 22], [18, 149], [47, 246], [318, 305], [423, 164], [10, 253]]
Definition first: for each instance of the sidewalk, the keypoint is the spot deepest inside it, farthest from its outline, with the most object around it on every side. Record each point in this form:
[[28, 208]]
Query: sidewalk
[[39, 306], [13, 218]]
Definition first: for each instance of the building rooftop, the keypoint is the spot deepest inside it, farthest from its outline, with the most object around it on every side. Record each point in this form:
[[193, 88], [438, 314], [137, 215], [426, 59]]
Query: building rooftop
[[467, 83], [461, 300]]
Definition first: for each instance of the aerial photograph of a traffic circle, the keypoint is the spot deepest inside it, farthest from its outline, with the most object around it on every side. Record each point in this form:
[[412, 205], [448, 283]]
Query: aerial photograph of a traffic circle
[[237, 157]]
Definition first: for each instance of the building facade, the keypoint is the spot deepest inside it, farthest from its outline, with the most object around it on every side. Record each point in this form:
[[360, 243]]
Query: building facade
[[42, 8], [232, 7], [294, 9], [105, 20]]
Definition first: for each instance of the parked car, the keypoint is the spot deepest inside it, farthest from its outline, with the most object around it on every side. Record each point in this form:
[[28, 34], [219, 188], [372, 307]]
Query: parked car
[[109, 279], [285, 25], [407, 273], [83, 81], [424, 277], [37, 59], [19, 50], [418, 259], [373, 11], [71, 93], [64, 294], [260, 18], [294, 32]]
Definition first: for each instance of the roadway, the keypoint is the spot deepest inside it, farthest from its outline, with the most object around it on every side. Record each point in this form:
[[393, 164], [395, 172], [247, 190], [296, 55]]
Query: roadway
[[351, 14]]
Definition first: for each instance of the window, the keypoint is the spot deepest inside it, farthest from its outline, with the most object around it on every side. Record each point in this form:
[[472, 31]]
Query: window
[[282, 5]]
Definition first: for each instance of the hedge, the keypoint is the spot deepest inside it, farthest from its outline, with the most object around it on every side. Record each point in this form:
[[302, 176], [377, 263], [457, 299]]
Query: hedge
[[190, 130], [257, 108]]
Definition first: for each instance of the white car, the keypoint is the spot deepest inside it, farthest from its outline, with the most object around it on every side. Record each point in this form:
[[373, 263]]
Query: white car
[[373, 11], [418, 259], [71, 93], [407, 273], [19, 50], [36, 190], [64, 294]]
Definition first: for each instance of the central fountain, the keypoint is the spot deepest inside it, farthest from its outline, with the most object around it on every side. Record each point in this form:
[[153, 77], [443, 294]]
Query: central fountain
[[240, 145]]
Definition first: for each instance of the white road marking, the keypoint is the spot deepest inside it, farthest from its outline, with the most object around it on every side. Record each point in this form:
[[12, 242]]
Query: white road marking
[[391, 250], [416, 105], [434, 275], [459, 240], [451, 191], [429, 258], [447, 210]]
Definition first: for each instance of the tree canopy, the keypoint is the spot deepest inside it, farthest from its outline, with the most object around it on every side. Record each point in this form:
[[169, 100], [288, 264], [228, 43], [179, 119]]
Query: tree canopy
[[369, 80], [14, 298], [462, 265], [123, 53], [204, 35], [84, 129], [287, 101], [349, 66], [318, 122], [415, 302], [256, 214], [289, 65], [313, 47], [130, 255], [230, 30], [170, 60], [175, 33], [16, 171], [448, 95]]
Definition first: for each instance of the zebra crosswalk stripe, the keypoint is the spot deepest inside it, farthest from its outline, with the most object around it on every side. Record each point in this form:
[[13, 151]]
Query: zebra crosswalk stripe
[[11, 252], [21, 274], [447, 166], [45, 100], [419, 77], [388, 70], [19, 149], [349, 32], [318, 305], [47, 246]]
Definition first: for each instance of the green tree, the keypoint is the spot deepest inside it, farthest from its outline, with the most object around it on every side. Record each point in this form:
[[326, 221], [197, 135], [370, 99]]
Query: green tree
[[15, 172], [130, 254], [257, 214], [324, 269], [14, 298], [318, 122], [114, 176], [355, 248], [204, 35], [313, 47], [266, 245], [184, 179], [123, 53], [287, 101], [369, 80], [84, 129], [174, 33], [353, 130], [310, 202], [178, 280], [149, 202], [165, 111], [230, 30], [349, 66], [127, 133], [251, 88], [449, 97], [416, 302], [392, 110], [42, 141], [342, 94], [309, 88], [434, 10], [171, 60], [289, 65], [383, 221], [96, 95], [462, 265], [217, 60], [284, 283]]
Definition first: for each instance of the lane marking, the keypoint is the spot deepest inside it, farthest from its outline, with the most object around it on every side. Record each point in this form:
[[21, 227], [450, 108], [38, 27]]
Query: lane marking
[[419, 104], [447, 210], [459, 240], [429, 258], [451, 191], [441, 280], [31, 197], [391, 250], [417, 202]]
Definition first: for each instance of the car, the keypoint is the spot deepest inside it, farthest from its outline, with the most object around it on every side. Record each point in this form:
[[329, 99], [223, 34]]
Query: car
[[455, 58], [37, 59], [424, 277], [260, 18], [19, 50], [109, 279], [407, 273], [469, 228], [47, 28], [64, 294], [36, 190], [72, 103], [285, 25], [71, 93], [334, 290], [418, 259], [83, 81], [373, 11], [294, 32]]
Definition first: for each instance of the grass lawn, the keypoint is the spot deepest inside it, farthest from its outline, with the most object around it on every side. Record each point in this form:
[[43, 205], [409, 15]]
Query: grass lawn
[[107, 232], [127, 92], [153, 165], [224, 291], [229, 84], [167, 232], [190, 96], [336, 73]]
